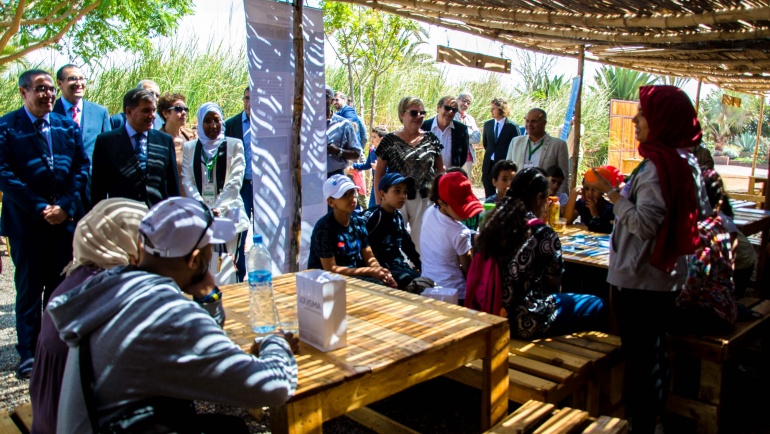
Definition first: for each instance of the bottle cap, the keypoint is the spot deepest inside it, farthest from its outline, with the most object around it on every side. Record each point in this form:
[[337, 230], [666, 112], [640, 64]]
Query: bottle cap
[[257, 239]]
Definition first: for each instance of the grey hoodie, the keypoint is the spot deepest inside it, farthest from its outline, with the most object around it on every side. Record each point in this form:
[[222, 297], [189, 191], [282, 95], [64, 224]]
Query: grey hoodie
[[149, 340]]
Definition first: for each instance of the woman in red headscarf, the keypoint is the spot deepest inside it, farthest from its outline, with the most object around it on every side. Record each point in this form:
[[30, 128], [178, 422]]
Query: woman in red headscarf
[[656, 216]]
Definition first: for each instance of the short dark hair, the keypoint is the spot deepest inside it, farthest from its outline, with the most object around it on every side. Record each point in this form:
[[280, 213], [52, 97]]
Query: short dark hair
[[443, 100], [541, 111], [25, 79], [527, 184], [380, 131], [165, 101], [503, 165], [132, 98], [60, 72], [248, 89], [555, 172]]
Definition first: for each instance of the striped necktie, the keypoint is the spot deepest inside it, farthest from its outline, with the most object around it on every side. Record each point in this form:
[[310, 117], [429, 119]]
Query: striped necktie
[[76, 114]]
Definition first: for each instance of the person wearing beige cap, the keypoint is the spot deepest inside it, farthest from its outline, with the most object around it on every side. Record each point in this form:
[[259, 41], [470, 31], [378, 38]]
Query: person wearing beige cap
[[155, 343], [106, 237]]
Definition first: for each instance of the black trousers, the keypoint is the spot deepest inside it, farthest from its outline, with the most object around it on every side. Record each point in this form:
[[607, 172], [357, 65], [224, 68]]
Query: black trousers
[[39, 259], [644, 318]]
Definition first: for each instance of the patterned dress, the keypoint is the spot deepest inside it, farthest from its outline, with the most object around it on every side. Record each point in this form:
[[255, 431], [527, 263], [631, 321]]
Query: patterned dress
[[415, 161], [527, 295]]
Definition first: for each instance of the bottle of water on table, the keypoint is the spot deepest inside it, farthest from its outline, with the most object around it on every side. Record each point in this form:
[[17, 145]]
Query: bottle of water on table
[[261, 303]]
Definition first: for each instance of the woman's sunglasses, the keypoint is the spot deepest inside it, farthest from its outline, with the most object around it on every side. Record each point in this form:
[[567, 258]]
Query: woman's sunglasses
[[416, 113], [180, 109]]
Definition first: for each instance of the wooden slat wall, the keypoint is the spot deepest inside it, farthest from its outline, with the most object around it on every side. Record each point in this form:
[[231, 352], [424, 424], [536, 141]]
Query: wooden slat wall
[[622, 137]]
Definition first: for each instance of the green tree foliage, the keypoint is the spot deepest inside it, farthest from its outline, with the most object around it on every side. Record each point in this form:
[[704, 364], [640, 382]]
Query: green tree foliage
[[92, 27], [620, 83], [344, 27], [720, 122]]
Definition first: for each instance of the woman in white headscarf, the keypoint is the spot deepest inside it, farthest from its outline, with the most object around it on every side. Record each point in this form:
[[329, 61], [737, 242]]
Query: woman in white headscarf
[[212, 171], [104, 238]]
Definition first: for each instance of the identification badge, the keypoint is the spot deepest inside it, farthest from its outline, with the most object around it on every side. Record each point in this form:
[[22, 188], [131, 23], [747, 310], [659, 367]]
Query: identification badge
[[209, 194], [529, 164]]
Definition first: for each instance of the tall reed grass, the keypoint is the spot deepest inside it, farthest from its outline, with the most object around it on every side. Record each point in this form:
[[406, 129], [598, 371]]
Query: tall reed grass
[[214, 72]]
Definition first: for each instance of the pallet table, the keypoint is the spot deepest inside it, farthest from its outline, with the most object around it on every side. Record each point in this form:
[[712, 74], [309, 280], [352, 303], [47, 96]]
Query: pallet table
[[395, 340]]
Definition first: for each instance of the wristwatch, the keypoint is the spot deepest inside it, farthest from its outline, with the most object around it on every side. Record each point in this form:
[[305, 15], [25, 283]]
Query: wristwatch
[[339, 154]]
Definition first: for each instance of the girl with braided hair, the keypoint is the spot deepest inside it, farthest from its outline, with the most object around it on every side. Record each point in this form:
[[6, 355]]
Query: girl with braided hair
[[529, 256]]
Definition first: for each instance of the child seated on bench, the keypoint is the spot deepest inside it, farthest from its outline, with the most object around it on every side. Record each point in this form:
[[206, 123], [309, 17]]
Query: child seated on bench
[[529, 256], [445, 242], [339, 242], [593, 209], [387, 231], [502, 173]]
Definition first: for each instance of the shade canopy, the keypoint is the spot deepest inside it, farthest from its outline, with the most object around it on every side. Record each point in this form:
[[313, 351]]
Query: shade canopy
[[725, 43]]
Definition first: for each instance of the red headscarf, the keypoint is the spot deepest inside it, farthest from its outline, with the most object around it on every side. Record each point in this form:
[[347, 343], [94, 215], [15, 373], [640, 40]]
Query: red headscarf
[[673, 124]]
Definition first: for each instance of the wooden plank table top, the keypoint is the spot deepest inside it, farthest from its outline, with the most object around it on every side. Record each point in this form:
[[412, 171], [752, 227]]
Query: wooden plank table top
[[395, 340], [751, 221], [581, 246]]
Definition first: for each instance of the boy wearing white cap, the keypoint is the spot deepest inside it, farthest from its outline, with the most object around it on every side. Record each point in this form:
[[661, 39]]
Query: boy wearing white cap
[[155, 346], [340, 242]]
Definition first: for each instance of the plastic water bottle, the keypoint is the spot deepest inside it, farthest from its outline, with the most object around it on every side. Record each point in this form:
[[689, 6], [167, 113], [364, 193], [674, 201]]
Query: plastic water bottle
[[262, 309]]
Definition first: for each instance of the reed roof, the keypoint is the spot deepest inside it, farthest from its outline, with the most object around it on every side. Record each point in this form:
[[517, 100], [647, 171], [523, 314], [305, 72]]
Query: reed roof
[[724, 42]]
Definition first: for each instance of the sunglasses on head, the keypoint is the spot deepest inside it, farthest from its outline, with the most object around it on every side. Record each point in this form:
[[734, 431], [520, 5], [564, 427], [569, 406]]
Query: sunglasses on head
[[449, 108], [416, 113], [180, 109]]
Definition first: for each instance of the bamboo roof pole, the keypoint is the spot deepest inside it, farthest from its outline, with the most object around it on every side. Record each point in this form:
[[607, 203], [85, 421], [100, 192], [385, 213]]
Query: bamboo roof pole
[[697, 97], [296, 136], [759, 135], [578, 107]]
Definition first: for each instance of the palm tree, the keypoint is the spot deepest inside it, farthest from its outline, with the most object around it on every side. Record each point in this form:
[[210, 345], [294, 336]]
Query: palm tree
[[620, 83]]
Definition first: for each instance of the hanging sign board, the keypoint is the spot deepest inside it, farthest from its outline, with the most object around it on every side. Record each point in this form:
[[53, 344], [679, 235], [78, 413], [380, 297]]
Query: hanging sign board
[[470, 59], [731, 100]]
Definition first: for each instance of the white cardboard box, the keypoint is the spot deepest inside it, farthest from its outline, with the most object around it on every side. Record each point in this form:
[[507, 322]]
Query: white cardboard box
[[322, 309], [444, 294]]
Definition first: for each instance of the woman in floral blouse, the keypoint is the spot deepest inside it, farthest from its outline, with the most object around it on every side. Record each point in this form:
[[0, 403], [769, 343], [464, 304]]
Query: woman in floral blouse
[[529, 257], [411, 152]]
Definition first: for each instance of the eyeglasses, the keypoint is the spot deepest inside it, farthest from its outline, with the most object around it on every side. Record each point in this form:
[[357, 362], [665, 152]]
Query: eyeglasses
[[43, 89], [209, 222], [180, 109], [449, 108], [74, 79], [466, 100], [416, 113]]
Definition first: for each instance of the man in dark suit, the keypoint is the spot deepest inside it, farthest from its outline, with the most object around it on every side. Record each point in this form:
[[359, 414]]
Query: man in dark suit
[[119, 119], [134, 161], [239, 126], [498, 133], [43, 170], [453, 134], [92, 118]]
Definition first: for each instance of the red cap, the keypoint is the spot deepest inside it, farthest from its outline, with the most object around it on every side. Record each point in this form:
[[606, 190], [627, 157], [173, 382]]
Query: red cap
[[455, 189]]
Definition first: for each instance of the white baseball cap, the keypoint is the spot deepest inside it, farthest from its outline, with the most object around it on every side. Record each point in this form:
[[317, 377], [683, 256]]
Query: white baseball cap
[[176, 226], [337, 185]]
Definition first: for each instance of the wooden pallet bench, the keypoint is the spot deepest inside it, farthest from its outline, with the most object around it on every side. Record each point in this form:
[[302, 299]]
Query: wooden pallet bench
[[585, 370], [706, 357], [7, 425], [540, 417]]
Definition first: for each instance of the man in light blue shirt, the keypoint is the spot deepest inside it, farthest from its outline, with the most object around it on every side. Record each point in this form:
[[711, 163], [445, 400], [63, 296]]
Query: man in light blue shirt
[[239, 126], [342, 143]]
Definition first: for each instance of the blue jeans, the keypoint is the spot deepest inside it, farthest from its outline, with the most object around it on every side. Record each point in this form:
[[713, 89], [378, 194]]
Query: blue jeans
[[578, 312], [247, 194]]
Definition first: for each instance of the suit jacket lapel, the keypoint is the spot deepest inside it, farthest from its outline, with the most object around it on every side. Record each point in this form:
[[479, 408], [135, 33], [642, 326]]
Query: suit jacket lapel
[[127, 153], [38, 143]]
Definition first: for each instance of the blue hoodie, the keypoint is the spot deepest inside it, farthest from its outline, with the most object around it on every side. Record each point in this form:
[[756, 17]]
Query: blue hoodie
[[349, 112], [149, 340]]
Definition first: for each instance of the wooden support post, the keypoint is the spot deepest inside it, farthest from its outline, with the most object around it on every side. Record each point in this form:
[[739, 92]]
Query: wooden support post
[[697, 97], [296, 137], [759, 135], [576, 125]]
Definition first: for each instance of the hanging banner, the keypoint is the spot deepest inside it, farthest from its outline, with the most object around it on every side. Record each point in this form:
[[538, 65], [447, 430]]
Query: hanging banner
[[570, 108], [271, 72]]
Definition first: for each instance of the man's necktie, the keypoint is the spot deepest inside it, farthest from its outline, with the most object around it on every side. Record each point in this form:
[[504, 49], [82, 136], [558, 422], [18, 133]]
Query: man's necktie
[[76, 114], [41, 127], [497, 130], [140, 147]]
